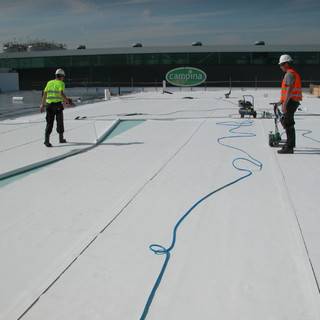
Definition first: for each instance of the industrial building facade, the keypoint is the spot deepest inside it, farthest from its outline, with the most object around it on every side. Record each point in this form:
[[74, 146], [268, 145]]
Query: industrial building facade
[[243, 65]]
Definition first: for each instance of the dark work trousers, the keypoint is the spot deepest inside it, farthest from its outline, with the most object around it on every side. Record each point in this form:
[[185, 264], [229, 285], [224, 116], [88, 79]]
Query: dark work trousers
[[54, 110], [288, 123]]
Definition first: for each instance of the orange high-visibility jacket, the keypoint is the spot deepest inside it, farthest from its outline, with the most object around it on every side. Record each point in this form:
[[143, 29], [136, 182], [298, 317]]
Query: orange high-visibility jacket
[[296, 93]]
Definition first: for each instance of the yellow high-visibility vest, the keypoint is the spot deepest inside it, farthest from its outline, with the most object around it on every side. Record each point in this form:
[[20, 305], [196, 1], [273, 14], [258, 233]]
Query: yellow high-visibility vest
[[53, 90]]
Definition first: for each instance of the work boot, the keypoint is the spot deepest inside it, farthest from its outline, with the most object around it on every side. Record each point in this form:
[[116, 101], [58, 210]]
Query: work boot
[[62, 139], [286, 150], [47, 142]]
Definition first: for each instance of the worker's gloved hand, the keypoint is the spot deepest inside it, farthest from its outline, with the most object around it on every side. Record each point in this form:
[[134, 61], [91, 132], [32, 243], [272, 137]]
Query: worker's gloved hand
[[41, 108], [70, 102]]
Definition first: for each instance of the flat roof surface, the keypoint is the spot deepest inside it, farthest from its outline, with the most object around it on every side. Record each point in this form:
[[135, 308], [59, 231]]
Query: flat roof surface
[[75, 234], [168, 49]]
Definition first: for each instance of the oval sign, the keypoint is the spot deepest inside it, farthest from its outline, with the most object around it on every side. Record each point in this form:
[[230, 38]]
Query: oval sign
[[186, 77]]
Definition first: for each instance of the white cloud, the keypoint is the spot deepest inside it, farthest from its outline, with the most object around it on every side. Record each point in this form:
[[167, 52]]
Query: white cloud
[[80, 6], [133, 2], [147, 13], [189, 18]]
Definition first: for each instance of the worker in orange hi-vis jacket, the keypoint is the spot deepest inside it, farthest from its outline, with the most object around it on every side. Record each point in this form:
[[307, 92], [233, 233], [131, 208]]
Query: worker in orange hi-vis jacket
[[291, 95]]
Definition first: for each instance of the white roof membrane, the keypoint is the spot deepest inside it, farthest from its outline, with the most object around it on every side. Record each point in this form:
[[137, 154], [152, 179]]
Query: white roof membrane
[[75, 235]]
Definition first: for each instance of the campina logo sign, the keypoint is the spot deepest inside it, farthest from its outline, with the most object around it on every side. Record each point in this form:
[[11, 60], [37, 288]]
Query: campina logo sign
[[186, 77]]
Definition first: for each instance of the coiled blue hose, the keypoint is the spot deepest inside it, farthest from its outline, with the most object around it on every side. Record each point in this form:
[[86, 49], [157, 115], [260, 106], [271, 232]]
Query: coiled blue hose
[[161, 250]]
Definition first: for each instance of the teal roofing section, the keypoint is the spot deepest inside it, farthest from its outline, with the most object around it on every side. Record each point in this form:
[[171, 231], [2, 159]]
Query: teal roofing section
[[165, 49]]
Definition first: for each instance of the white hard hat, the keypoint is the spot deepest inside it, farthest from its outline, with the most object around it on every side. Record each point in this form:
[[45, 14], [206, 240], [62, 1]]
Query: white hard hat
[[60, 72], [285, 58]]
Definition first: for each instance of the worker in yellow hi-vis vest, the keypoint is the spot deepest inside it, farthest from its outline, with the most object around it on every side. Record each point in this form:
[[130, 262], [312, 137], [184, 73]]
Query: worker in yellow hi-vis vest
[[53, 99]]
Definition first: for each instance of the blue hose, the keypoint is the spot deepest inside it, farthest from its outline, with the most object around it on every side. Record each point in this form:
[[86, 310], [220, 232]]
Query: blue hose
[[307, 132], [161, 250]]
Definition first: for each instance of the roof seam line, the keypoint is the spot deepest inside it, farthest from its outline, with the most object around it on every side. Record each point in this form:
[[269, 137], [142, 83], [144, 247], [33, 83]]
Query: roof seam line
[[96, 236]]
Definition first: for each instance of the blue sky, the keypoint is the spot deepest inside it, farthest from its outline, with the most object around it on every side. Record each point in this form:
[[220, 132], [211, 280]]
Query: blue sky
[[101, 24]]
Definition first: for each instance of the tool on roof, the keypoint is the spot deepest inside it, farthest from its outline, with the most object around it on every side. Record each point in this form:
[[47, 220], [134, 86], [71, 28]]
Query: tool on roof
[[246, 106], [275, 137]]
